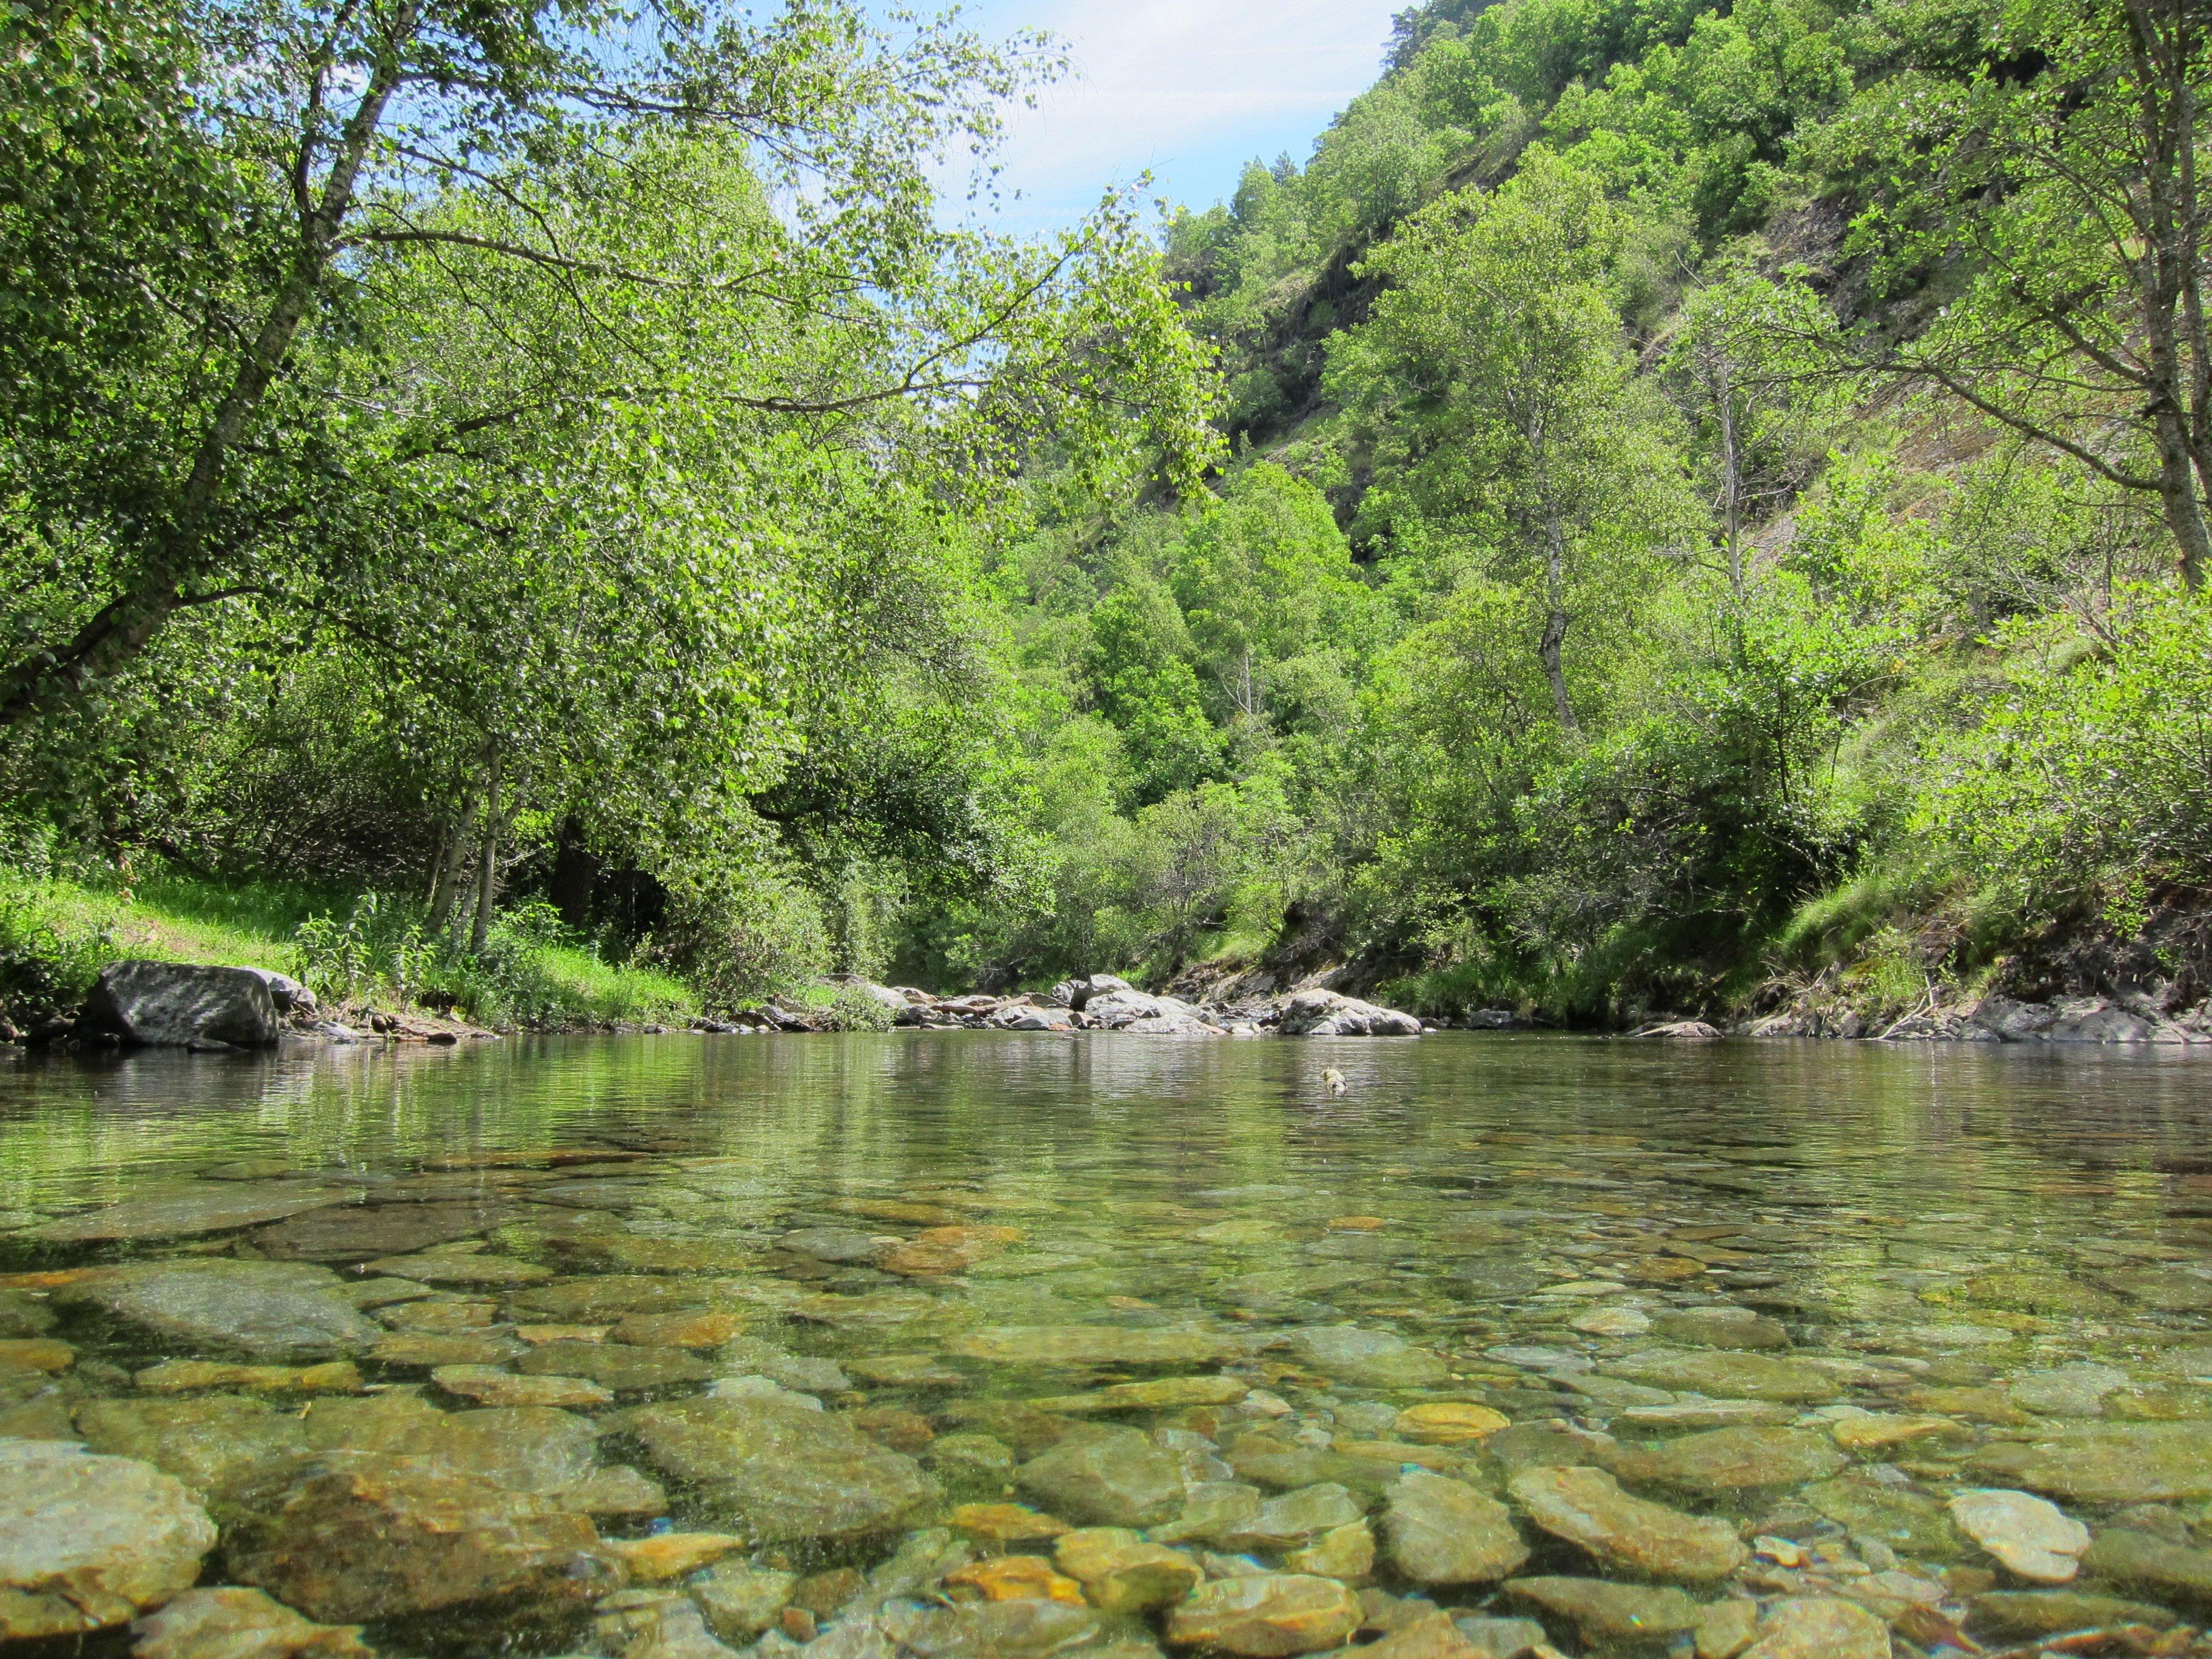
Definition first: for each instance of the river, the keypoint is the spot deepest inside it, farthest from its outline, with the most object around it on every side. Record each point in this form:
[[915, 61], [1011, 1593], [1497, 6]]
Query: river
[[939, 1344]]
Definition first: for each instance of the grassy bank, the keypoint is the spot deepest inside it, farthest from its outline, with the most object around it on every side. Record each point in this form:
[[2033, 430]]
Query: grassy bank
[[353, 949]]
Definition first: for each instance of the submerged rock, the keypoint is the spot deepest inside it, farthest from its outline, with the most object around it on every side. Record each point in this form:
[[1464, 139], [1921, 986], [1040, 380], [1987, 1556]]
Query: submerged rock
[[88, 1541], [233, 1623], [740, 1600], [1092, 1345], [2110, 1463], [1026, 1629], [1266, 1616], [1371, 1359], [216, 1446], [1588, 1507], [382, 1538], [784, 1472], [2033, 1537], [1735, 1460], [353, 1232], [1442, 1531], [1730, 1375], [285, 1309], [616, 1365], [1602, 1609], [1106, 1478], [2052, 1613], [1819, 1627], [209, 1206], [2144, 1561]]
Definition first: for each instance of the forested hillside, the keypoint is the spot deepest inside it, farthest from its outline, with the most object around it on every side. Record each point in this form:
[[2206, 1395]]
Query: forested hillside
[[1671, 506], [1714, 523]]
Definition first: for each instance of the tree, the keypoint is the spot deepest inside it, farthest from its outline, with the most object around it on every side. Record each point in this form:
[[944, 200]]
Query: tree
[[325, 275], [1494, 385], [1750, 349], [2059, 177]]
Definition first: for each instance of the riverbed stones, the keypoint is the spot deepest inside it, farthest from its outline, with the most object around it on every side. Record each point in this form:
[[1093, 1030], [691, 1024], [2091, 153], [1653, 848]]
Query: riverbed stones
[[2106, 1464], [1605, 1611], [1721, 1461], [354, 1233], [1449, 1423], [1819, 1627], [533, 1449], [488, 1385], [610, 1297], [1442, 1531], [459, 1269], [739, 1599], [213, 1207], [1365, 1358], [783, 1472], [2144, 1561], [1587, 1507], [1729, 1375], [1266, 1616], [670, 1555], [434, 1349], [40, 1354], [2052, 1613], [698, 1328], [1908, 1522], [23, 1314], [1345, 1553], [216, 1445], [623, 1367], [1721, 1327], [1028, 1628], [2030, 1537], [185, 1375], [277, 1310], [1092, 1345], [2077, 1390], [1294, 1516], [1121, 1573], [749, 1356], [383, 1538], [1106, 1477], [88, 1541], [1156, 1394], [232, 1622]]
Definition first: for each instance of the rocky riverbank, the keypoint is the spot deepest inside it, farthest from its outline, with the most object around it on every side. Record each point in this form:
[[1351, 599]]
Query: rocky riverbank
[[1097, 1002]]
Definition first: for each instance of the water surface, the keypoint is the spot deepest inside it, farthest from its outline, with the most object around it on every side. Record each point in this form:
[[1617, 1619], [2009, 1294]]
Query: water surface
[[1985, 1253]]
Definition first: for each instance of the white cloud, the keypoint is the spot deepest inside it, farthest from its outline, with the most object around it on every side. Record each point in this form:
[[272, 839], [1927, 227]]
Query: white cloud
[[1187, 89]]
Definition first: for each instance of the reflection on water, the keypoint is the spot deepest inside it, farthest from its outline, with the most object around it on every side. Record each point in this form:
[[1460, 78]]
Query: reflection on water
[[955, 1343]]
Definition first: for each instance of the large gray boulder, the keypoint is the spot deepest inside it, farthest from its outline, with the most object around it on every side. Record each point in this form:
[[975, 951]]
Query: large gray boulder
[[175, 1004], [1327, 1014], [1075, 992], [1135, 1010]]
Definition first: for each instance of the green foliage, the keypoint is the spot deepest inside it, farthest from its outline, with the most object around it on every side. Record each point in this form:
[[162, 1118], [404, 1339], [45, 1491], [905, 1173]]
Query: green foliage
[[2091, 766]]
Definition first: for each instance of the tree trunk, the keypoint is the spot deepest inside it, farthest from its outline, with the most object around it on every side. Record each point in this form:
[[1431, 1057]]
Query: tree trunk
[[453, 858], [1553, 646], [128, 623], [487, 858], [1731, 508]]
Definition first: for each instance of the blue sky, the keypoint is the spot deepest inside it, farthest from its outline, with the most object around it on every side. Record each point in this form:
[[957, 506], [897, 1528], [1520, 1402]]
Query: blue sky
[[1187, 89]]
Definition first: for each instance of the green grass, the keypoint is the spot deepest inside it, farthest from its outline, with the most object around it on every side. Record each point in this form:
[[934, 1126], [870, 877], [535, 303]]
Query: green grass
[[55, 935], [582, 989]]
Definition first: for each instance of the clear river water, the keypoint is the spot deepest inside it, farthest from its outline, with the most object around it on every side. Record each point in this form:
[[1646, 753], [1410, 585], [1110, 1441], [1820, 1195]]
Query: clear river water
[[945, 1343]]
